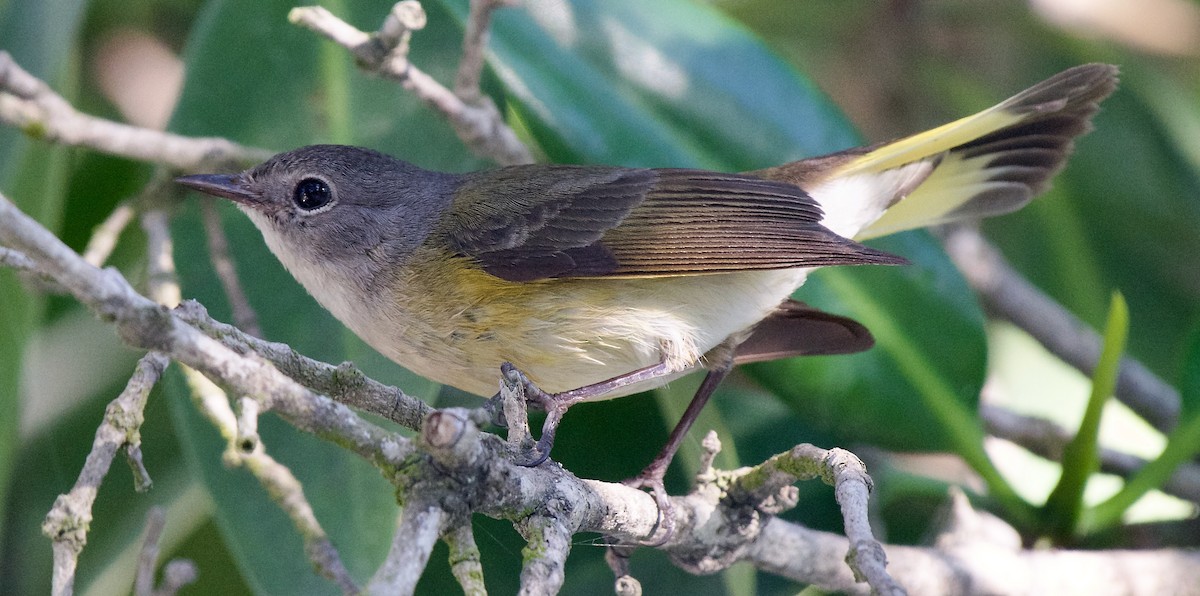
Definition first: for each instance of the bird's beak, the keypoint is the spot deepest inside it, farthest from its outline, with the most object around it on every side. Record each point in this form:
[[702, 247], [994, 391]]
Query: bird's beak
[[230, 186]]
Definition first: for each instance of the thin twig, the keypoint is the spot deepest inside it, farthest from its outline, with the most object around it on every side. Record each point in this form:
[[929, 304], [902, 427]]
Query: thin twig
[[1047, 439], [218, 252], [1010, 296], [29, 104], [478, 122], [104, 237], [344, 383], [143, 581], [465, 561], [67, 522], [545, 554], [241, 430], [470, 66], [851, 487], [414, 539]]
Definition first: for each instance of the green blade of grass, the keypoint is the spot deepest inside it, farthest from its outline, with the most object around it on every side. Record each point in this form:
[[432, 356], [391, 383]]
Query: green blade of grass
[[1081, 457], [1182, 444]]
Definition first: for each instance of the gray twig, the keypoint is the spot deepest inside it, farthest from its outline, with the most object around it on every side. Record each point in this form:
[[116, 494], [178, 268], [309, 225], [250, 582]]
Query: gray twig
[[545, 554], [344, 383], [104, 238], [29, 104], [67, 522], [1010, 296], [1047, 439], [470, 66], [218, 252], [414, 539], [465, 561], [475, 117], [176, 574]]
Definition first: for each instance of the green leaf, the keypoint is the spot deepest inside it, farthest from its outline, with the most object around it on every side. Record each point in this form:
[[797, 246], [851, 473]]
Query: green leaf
[[918, 388], [669, 83], [1081, 456]]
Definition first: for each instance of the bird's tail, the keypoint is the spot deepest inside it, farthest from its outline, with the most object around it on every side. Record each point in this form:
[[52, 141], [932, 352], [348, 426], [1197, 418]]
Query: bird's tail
[[990, 163]]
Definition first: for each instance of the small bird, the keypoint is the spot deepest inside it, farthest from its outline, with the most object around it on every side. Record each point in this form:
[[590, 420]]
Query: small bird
[[593, 282]]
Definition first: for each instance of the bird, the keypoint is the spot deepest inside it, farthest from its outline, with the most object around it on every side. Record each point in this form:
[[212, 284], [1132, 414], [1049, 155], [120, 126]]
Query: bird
[[584, 282]]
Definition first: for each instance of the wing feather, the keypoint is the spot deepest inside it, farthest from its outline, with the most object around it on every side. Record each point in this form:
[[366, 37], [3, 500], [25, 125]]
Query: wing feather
[[525, 223]]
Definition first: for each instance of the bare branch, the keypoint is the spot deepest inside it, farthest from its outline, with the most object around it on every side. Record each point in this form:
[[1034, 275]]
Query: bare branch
[[30, 105], [344, 382], [414, 539], [545, 554], [465, 561], [218, 252], [1010, 296], [176, 574], [470, 66], [851, 485], [476, 120], [1047, 439], [104, 238], [67, 522]]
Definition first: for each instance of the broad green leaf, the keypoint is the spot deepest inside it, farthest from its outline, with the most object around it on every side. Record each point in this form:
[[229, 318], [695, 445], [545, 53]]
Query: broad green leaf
[[928, 356], [670, 83]]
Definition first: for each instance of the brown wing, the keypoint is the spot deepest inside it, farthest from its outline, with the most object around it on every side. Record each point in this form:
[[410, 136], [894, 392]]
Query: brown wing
[[534, 222], [797, 329]]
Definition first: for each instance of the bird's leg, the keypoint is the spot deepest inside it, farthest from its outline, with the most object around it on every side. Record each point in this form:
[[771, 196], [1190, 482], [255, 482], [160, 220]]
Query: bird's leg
[[652, 476], [556, 404]]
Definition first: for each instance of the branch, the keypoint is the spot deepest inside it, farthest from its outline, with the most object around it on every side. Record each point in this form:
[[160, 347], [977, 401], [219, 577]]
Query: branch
[[148, 325], [1047, 439], [29, 104], [344, 383], [414, 539], [1010, 296], [473, 115], [218, 252], [241, 430], [465, 561], [176, 574], [68, 521]]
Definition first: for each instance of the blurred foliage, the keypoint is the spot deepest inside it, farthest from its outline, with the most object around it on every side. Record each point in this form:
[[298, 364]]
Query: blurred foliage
[[662, 83]]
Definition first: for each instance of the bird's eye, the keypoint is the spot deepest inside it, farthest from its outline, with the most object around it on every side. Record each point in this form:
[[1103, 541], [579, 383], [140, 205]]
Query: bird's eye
[[312, 194]]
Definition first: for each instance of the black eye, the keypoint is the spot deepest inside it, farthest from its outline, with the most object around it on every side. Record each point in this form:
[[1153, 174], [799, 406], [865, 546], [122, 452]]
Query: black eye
[[312, 194]]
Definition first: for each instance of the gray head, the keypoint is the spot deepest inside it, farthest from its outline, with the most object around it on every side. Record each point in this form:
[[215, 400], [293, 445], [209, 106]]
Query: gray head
[[334, 206]]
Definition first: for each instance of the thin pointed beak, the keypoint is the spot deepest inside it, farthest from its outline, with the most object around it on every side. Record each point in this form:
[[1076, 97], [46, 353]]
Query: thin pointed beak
[[229, 186]]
